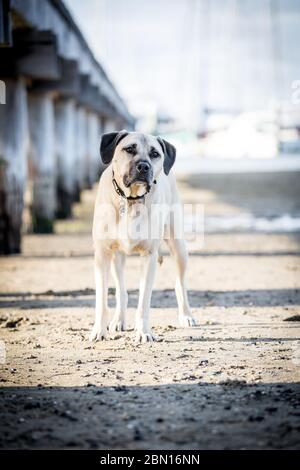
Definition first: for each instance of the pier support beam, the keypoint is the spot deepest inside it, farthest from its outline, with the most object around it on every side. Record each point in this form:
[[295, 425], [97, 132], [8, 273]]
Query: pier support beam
[[81, 150], [65, 136], [13, 164], [109, 125], [42, 161], [93, 147], [101, 166]]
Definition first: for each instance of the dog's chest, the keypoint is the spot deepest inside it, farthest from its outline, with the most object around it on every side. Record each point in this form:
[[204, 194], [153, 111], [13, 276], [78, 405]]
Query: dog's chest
[[133, 232]]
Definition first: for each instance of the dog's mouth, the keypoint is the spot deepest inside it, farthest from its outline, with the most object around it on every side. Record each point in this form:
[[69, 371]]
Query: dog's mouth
[[137, 180]]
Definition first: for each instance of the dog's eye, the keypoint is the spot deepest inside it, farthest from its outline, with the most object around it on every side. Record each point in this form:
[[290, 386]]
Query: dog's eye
[[154, 154], [129, 150]]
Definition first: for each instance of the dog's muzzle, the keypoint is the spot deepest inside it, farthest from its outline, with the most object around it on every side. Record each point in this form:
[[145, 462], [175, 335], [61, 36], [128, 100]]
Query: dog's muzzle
[[139, 172]]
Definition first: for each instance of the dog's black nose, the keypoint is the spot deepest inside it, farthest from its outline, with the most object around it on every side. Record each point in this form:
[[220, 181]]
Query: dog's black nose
[[143, 167]]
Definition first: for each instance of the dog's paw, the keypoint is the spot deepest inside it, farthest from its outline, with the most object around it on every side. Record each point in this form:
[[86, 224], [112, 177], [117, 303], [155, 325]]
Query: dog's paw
[[186, 320], [144, 337], [98, 333], [117, 324]]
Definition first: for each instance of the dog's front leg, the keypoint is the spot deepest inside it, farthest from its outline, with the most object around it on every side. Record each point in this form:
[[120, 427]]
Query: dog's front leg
[[118, 321], [142, 324], [102, 265]]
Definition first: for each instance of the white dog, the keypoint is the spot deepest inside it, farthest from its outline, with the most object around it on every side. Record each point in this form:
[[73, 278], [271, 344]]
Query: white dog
[[136, 191]]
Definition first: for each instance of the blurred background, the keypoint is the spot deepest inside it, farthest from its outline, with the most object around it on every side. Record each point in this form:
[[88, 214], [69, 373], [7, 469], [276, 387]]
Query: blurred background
[[219, 79], [224, 71]]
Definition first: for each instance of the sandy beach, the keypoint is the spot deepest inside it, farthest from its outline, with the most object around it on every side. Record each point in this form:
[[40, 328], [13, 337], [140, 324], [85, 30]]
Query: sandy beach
[[232, 382]]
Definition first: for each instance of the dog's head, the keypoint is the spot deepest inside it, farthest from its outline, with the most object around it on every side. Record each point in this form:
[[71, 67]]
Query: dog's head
[[137, 159]]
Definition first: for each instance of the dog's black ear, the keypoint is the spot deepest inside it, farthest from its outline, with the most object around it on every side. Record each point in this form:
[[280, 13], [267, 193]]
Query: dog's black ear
[[169, 153], [108, 144]]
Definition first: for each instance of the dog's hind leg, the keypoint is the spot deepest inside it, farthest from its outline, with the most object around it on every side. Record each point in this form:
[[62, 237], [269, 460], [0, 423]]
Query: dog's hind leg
[[102, 264], [179, 253], [118, 322]]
